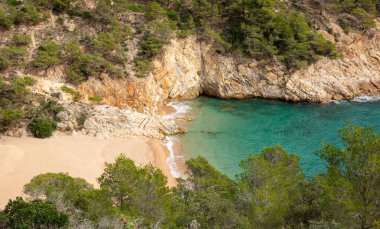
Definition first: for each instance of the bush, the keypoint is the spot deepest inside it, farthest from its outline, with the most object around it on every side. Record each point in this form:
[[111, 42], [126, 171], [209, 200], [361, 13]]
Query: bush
[[105, 43], [366, 19], [26, 14], [34, 214], [95, 98], [21, 39], [55, 5], [71, 91], [143, 67], [365, 11], [47, 55], [86, 65], [49, 108], [81, 120], [150, 46], [42, 128], [5, 21], [11, 55], [135, 8], [9, 116]]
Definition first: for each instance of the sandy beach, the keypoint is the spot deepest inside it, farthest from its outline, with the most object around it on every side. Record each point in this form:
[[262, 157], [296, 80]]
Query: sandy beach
[[80, 156]]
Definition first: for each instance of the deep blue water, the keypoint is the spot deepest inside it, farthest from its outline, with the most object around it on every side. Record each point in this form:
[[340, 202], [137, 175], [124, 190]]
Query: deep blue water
[[227, 131]]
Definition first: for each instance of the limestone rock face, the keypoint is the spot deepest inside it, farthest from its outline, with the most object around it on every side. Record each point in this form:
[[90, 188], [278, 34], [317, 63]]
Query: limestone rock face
[[107, 121], [189, 67]]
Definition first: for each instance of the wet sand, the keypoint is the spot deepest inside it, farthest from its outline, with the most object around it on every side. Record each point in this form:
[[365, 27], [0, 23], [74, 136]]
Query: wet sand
[[80, 156]]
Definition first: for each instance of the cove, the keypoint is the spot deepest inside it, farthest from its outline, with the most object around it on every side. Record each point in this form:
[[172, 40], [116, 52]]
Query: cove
[[227, 131]]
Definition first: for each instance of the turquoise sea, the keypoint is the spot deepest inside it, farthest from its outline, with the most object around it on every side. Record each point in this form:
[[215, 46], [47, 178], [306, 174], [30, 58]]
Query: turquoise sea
[[227, 131]]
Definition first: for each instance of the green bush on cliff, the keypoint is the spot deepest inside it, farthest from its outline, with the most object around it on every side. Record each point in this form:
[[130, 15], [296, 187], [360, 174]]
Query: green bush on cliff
[[11, 56], [14, 100], [41, 128], [105, 43], [25, 13], [84, 65], [87, 65], [5, 21], [21, 39], [365, 12], [75, 94], [150, 46], [47, 55]]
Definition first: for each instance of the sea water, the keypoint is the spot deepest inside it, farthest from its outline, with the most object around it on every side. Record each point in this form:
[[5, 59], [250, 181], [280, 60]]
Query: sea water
[[227, 131]]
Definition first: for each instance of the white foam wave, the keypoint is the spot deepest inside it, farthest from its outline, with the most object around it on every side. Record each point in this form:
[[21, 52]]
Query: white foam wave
[[180, 107], [363, 99], [339, 101], [171, 159]]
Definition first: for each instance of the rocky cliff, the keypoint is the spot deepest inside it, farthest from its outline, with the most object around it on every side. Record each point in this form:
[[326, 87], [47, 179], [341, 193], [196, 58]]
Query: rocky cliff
[[188, 68]]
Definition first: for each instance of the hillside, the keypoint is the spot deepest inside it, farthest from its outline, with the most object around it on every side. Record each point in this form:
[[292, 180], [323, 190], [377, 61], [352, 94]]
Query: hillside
[[137, 56]]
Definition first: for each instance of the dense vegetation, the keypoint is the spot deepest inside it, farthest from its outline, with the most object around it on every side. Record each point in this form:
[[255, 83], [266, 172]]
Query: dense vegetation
[[255, 29], [17, 109], [270, 192], [359, 14]]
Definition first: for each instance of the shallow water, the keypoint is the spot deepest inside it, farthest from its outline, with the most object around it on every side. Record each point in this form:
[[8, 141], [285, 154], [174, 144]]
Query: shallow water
[[227, 131]]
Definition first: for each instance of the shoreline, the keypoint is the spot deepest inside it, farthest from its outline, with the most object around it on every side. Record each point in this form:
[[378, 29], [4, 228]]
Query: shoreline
[[161, 153], [172, 144]]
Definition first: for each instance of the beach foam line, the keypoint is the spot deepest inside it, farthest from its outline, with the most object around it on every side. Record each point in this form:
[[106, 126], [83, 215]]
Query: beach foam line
[[364, 99], [339, 101], [171, 158], [359, 99], [180, 107]]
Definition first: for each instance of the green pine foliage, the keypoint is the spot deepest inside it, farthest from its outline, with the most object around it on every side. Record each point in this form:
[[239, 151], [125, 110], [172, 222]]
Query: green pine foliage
[[47, 55], [11, 56], [34, 214], [365, 12], [262, 30], [21, 40], [14, 100]]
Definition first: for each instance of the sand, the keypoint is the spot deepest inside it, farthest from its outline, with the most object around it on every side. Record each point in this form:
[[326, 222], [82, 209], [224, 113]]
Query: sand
[[80, 156]]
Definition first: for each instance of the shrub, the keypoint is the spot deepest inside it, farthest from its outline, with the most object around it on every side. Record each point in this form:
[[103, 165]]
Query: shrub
[[81, 120], [345, 25], [135, 8], [11, 55], [150, 46], [366, 19], [323, 47], [55, 5], [86, 65], [49, 108], [5, 21], [71, 91], [21, 39], [26, 14], [143, 67], [9, 116], [34, 214], [95, 98], [42, 128], [47, 54], [72, 50], [105, 43]]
